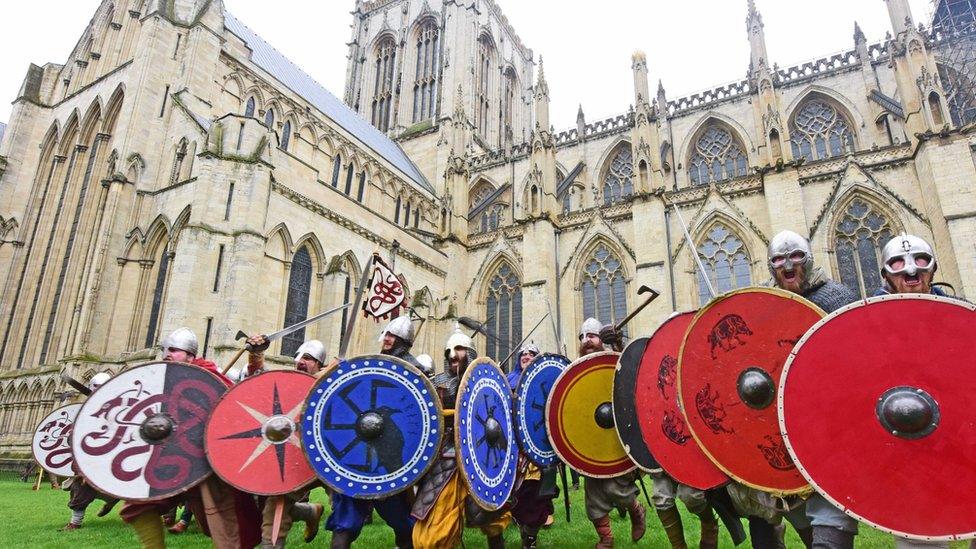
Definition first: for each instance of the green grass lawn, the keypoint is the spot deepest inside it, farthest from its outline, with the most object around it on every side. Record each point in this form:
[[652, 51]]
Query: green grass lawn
[[32, 519]]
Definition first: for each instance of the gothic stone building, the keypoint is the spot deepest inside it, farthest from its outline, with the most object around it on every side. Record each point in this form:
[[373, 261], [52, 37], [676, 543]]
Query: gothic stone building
[[177, 170]]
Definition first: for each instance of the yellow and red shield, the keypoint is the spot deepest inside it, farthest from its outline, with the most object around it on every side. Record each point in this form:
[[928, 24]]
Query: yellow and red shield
[[579, 418]]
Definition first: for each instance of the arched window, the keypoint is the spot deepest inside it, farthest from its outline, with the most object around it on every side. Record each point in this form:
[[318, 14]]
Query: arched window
[[269, 118], [296, 308], [820, 131], [249, 109], [504, 313], [361, 192], [383, 87], [336, 168], [618, 183], [935, 107], [406, 216], [716, 156], [177, 171], [508, 99], [604, 288], [348, 190], [726, 260], [157, 302], [425, 83], [861, 231], [486, 54], [396, 213], [416, 218], [285, 136]]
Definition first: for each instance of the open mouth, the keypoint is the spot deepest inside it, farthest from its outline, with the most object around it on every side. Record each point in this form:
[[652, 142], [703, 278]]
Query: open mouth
[[912, 280], [789, 276]]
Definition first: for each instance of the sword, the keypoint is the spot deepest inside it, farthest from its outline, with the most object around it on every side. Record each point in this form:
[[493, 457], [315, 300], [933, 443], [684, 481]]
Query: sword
[[555, 329], [720, 500], [524, 339], [694, 252], [79, 386], [347, 337], [640, 479], [281, 333], [562, 474]]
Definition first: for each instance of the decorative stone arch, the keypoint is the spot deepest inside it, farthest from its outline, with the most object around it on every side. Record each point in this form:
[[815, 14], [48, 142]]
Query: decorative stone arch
[[180, 223], [501, 257], [278, 242], [275, 105], [755, 248], [480, 183], [70, 134], [579, 263], [315, 248], [91, 122], [259, 98], [837, 99], [606, 162], [325, 144], [426, 16], [235, 80], [112, 109], [157, 233], [737, 130]]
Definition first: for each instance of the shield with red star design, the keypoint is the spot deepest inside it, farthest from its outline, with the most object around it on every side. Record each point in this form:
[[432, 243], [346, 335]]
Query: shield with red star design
[[252, 437]]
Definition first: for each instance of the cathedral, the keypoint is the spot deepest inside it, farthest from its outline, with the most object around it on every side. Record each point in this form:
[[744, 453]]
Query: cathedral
[[177, 170]]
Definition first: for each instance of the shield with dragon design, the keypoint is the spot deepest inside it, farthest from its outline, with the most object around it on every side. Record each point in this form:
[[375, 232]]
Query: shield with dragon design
[[625, 410], [252, 438], [728, 373], [51, 444], [659, 413], [531, 395], [879, 394], [579, 416], [139, 437], [372, 426], [484, 434]]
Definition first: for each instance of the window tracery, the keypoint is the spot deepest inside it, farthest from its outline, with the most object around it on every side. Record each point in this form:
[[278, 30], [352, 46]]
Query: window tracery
[[618, 183], [820, 131], [716, 156], [861, 231], [385, 75], [726, 261], [296, 307], [604, 288], [504, 312], [425, 81]]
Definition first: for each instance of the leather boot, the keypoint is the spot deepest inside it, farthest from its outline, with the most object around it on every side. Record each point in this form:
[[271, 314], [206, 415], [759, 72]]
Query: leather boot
[[496, 542], [341, 539], [806, 536], [761, 533], [149, 530], [312, 518], [827, 537], [780, 530], [671, 521], [603, 530], [404, 539], [529, 536], [638, 521], [709, 529]]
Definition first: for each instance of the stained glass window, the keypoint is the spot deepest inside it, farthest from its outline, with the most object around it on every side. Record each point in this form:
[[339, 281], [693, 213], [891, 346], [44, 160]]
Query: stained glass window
[[383, 87], [716, 156], [361, 193], [157, 302], [726, 261], [269, 118], [336, 168], [604, 287], [618, 184], [249, 109], [425, 84], [860, 234], [296, 308], [819, 131], [504, 313], [509, 99], [286, 135]]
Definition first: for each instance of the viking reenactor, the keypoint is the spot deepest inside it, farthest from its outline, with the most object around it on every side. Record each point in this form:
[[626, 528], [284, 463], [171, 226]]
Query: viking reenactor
[[229, 516], [308, 359], [443, 505], [605, 494], [82, 493], [792, 267], [525, 356], [909, 267], [666, 491], [349, 514]]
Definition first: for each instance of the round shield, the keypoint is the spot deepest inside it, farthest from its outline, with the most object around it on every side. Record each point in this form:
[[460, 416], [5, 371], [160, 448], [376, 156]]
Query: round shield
[[531, 395], [875, 405], [372, 426], [139, 437], [659, 412], [625, 410], [728, 373], [485, 434], [579, 416], [52, 441], [252, 436]]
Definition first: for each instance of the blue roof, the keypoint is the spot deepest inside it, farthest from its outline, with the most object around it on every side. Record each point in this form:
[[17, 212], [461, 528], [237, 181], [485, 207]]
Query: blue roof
[[286, 72]]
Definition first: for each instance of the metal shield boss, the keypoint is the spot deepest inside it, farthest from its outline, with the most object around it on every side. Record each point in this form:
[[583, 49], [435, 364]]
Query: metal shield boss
[[625, 409], [661, 421], [579, 417], [728, 373], [51, 444], [484, 433], [531, 395], [876, 409], [252, 436], [372, 426], [139, 437]]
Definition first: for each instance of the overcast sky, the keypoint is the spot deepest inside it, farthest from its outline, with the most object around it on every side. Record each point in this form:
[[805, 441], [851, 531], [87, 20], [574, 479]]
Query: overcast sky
[[586, 45]]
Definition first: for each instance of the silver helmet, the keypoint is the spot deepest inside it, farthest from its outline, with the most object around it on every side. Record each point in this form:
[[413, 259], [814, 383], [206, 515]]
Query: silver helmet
[[458, 339], [400, 327], [529, 347], [908, 254], [98, 380], [426, 364], [788, 250], [183, 339], [590, 326], [313, 348]]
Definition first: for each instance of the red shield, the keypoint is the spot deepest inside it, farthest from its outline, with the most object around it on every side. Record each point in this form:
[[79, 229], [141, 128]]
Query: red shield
[[728, 373], [876, 408], [659, 413], [252, 439], [579, 418]]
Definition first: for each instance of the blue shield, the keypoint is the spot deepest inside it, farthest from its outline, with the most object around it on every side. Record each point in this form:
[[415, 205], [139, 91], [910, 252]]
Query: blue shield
[[372, 427], [531, 395], [487, 452]]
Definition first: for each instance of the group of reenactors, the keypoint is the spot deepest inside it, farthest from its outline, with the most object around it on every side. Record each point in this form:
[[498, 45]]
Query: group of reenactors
[[434, 512]]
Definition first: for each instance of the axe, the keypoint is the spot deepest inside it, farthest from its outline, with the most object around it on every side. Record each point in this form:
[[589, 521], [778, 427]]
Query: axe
[[643, 290], [280, 333], [78, 386]]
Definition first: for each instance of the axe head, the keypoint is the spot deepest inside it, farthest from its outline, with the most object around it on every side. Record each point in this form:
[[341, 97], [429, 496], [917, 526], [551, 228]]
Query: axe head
[[647, 289], [240, 335]]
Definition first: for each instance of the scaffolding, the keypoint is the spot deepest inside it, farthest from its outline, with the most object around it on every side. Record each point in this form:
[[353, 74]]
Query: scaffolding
[[954, 33]]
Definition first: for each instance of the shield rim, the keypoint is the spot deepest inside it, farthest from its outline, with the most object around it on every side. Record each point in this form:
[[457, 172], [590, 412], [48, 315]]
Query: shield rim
[[516, 415], [684, 409], [782, 420], [676, 315], [431, 390], [206, 436], [70, 444], [613, 391], [207, 459], [487, 506], [555, 447]]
